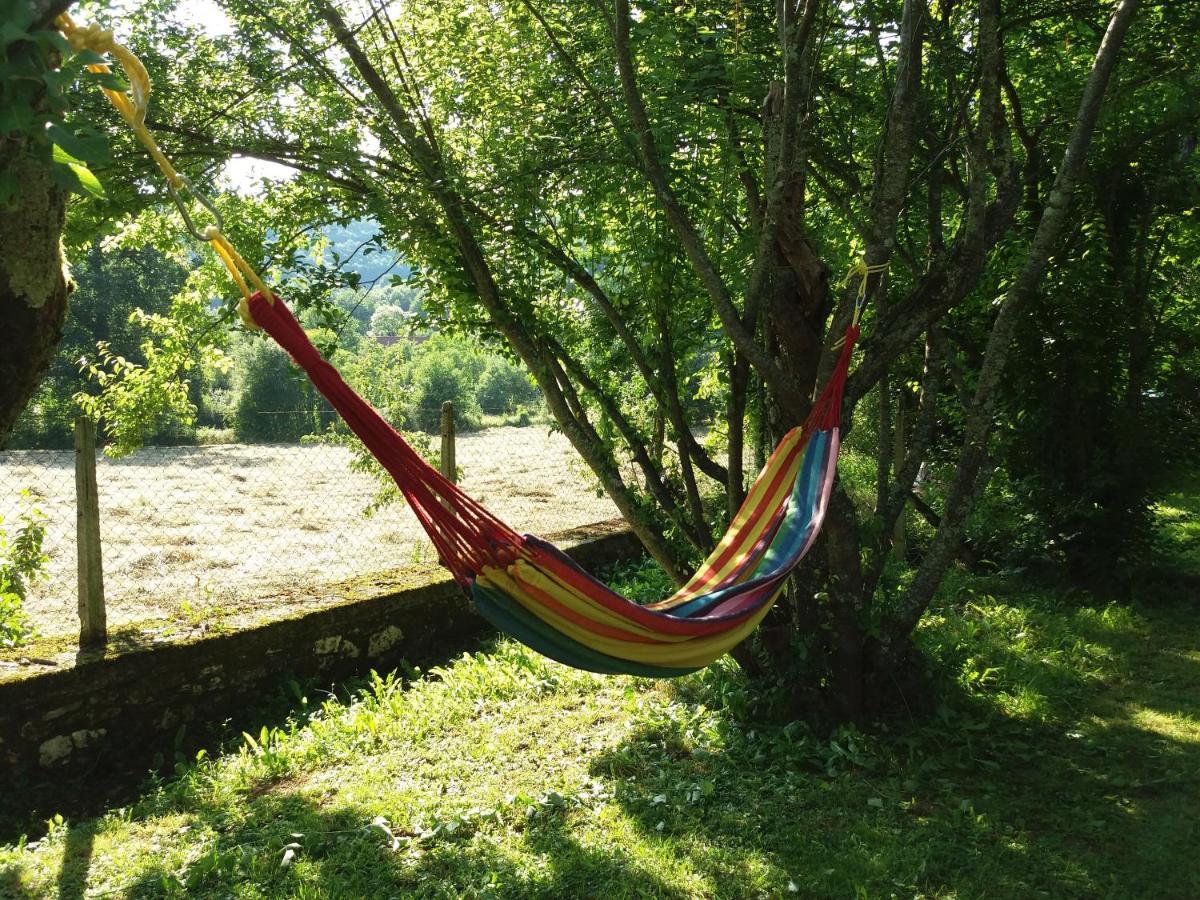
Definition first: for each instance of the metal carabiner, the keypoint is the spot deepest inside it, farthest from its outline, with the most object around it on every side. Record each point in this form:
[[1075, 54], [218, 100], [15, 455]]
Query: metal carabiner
[[200, 198]]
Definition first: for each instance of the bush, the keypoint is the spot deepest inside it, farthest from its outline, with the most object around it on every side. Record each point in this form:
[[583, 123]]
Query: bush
[[446, 369], [21, 562], [48, 422], [380, 374], [504, 387], [272, 401], [206, 436]]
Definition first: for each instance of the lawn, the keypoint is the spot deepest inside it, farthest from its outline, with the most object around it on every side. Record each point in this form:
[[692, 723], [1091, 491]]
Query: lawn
[[1063, 761]]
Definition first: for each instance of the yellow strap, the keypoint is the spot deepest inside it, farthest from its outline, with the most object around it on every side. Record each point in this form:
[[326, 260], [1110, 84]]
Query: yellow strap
[[132, 106], [860, 270]]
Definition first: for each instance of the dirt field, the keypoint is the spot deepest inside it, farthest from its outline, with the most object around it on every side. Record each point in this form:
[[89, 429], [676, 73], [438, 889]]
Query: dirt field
[[192, 532]]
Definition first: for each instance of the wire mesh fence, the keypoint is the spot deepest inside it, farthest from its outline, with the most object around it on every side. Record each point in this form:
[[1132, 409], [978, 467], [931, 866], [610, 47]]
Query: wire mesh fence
[[211, 528]]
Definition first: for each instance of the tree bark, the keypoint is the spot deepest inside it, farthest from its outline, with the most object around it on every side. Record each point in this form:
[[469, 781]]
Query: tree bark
[[33, 287]]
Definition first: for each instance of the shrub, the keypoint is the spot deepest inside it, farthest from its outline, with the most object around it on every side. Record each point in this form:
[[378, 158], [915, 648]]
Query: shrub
[[272, 402], [206, 436], [504, 387], [21, 562], [446, 369]]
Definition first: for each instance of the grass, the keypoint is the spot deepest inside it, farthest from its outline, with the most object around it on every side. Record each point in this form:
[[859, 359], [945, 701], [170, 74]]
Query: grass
[[1063, 761], [1178, 514]]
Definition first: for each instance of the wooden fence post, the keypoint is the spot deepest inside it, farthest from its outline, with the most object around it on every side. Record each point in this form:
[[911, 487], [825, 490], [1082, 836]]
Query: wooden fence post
[[92, 626], [448, 467]]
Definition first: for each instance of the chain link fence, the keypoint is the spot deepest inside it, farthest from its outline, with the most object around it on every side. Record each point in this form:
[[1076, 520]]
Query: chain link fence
[[206, 531]]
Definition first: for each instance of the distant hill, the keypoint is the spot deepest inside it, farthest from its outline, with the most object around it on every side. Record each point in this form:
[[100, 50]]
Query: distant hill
[[345, 240]]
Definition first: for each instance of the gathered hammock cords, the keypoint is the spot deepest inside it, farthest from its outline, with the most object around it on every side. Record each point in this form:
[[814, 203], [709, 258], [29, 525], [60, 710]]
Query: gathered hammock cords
[[525, 586]]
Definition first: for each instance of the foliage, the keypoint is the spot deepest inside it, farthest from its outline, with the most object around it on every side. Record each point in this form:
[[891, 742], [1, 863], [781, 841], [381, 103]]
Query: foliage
[[272, 401], [1058, 764], [388, 320], [136, 397], [115, 290], [609, 193], [37, 67], [446, 369], [21, 563], [504, 387], [1105, 417], [639, 581]]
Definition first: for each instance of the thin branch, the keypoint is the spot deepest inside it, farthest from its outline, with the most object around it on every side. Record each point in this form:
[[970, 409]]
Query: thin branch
[[681, 224], [1037, 261]]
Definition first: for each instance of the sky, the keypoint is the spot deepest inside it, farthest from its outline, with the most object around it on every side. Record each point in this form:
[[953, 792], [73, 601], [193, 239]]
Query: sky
[[242, 174]]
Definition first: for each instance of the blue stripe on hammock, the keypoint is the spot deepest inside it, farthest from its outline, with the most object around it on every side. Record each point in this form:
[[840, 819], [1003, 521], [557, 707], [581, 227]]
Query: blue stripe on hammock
[[791, 536]]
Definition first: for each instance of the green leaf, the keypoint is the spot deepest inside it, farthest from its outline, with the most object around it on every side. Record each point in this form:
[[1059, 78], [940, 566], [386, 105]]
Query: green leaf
[[18, 14], [89, 58], [55, 39], [58, 79], [88, 181], [88, 145], [13, 32], [110, 80], [15, 117], [62, 156], [77, 177]]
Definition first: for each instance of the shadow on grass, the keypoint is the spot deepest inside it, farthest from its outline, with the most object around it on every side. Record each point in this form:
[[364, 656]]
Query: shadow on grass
[[1091, 798], [1094, 796], [334, 853], [77, 860], [12, 886]]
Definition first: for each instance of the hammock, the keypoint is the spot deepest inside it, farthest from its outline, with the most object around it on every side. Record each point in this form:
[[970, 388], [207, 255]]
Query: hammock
[[530, 590], [521, 584]]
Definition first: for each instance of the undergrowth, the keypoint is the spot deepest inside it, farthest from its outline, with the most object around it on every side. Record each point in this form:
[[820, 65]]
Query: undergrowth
[[21, 563]]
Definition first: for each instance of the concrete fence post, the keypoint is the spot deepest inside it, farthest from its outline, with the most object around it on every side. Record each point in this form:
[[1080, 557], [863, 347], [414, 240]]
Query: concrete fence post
[[92, 626]]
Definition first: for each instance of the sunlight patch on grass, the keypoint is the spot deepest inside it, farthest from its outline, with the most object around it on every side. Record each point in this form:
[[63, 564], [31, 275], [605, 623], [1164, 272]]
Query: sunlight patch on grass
[[1169, 725]]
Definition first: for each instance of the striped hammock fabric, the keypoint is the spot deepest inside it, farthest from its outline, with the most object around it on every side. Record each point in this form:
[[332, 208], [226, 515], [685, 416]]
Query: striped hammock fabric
[[533, 592]]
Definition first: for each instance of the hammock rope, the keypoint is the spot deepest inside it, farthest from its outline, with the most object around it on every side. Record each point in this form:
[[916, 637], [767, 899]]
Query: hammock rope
[[523, 585]]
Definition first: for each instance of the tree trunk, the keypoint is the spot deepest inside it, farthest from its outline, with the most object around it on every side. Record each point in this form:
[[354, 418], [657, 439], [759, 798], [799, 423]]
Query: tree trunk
[[33, 287], [899, 452]]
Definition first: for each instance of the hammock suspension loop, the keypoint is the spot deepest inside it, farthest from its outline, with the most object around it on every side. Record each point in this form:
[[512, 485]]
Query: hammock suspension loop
[[185, 185], [132, 106], [862, 271]]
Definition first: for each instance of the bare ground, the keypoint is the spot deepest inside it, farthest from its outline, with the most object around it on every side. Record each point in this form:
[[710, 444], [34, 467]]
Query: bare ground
[[193, 533]]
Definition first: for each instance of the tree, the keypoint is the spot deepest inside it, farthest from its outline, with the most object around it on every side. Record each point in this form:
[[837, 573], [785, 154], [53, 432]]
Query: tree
[[642, 200], [445, 369], [33, 286], [503, 387], [116, 289], [388, 320], [271, 402], [1103, 422]]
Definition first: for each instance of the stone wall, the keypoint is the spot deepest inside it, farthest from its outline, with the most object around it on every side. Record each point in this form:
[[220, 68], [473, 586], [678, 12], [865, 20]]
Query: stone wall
[[121, 711]]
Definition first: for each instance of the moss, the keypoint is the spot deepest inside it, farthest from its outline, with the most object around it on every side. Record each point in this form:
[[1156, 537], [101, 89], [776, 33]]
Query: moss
[[30, 250]]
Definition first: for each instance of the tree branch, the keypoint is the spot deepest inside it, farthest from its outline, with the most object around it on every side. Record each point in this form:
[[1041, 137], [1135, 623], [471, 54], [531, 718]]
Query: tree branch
[[1037, 261], [678, 219]]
